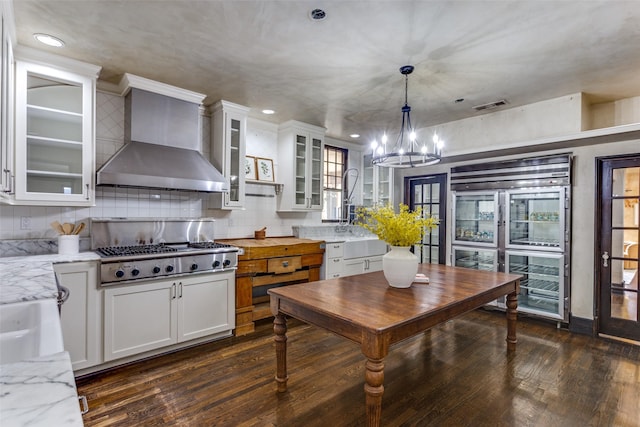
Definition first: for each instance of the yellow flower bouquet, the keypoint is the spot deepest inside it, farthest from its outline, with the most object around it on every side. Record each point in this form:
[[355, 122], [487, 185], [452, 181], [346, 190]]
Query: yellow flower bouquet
[[404, 228]]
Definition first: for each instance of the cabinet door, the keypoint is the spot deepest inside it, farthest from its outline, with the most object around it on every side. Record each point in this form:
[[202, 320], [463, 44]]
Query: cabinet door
[[542, 288], [315, 172], [228, 148], [81, 314], [476, 218], [373, 264], [478, 259], [535, 219], [369, 189], [6, 109], [377, 183], [301, 198], [139, 318], [54, 134], [352, 267], [205, 305]]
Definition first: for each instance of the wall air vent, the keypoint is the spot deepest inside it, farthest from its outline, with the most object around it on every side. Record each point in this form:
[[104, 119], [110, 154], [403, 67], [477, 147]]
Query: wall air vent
[[490, 105]]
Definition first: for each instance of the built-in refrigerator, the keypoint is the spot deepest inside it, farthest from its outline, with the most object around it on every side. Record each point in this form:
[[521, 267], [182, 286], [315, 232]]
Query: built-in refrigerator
[[515, 217]]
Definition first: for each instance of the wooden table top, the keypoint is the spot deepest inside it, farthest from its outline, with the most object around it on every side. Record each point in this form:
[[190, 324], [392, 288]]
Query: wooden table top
[[368, 303]]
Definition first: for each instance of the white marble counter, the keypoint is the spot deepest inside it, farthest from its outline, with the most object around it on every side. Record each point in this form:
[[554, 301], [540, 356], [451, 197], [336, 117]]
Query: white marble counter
[[27, 278], [39, 392]]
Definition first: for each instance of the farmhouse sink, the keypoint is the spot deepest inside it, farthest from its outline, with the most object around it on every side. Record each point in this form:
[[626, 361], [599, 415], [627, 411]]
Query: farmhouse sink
[[29, 329], [363, 247]]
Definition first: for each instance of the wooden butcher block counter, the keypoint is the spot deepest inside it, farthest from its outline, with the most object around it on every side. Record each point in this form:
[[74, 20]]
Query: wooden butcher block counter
[[268, 263]]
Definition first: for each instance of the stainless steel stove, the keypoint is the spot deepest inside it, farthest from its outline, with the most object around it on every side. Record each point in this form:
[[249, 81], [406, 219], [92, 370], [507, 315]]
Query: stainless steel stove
[[138, 249]]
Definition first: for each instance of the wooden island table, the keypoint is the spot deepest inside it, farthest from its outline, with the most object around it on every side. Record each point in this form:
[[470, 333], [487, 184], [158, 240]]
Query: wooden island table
[[365, 309]]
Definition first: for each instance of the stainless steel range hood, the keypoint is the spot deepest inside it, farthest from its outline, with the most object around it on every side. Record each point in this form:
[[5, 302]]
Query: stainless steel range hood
[[162, 137]]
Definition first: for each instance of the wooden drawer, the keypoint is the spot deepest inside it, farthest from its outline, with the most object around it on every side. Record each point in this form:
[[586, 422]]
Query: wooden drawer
[[284, 264], [334, 250]]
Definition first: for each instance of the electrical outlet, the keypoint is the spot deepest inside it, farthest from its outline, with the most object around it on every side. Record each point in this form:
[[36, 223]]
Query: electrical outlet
[[25, 223]]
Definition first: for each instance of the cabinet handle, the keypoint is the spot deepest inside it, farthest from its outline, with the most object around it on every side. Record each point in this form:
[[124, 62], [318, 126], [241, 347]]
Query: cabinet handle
[[285, 263], [10, 180], [87, 196], [180, 290], [84, 404], [336, 260], [173, 291], [605, 258]]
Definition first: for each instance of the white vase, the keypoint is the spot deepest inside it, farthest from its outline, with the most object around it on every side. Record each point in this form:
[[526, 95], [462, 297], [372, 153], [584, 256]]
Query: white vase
[[400, 266]]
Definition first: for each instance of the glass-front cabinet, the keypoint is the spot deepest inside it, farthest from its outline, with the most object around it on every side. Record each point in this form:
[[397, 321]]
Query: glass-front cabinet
[[377, 183], [229, 126], [302, 175], [542, 286], [535, 219], [476, 218], [54, 135]]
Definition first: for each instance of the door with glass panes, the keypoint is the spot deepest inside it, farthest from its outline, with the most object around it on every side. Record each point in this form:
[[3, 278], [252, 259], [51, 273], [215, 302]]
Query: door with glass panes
[[617, 247], [428, 193]]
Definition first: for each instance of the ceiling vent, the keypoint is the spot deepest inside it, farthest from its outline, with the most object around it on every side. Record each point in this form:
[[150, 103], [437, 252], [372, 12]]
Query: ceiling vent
[[490, 105]]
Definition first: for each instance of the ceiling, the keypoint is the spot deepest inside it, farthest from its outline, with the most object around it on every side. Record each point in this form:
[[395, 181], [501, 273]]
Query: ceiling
[[342, 72]]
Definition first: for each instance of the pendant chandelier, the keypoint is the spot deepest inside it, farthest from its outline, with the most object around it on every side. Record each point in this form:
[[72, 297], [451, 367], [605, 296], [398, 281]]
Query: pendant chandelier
[[407, 151]]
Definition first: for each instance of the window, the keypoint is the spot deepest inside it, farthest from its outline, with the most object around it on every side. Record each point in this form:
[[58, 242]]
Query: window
[[335, 161]]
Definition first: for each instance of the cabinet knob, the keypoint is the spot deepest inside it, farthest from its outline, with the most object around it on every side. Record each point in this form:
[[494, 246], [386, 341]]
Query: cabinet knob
[[285, 263]]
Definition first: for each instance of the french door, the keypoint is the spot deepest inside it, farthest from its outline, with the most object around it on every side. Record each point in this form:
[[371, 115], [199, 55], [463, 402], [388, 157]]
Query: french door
[[617, 248], [429, 193]]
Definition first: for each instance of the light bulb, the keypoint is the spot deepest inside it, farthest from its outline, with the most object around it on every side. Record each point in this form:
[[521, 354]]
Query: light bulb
[[384, 138], [380, 150], [374, 144]]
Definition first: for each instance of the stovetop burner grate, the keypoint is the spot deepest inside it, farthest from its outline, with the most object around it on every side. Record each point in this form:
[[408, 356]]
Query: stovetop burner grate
[[135, 250]]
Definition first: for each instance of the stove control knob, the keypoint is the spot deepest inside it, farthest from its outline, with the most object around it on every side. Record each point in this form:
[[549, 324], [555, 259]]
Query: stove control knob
[[169, 268], [135, 271], [216, 264], [119, 274], [194, 267], [156, 270], [227, 262]]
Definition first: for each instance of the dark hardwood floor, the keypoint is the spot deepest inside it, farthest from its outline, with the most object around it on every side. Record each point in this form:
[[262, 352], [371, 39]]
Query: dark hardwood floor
[[457, 374]]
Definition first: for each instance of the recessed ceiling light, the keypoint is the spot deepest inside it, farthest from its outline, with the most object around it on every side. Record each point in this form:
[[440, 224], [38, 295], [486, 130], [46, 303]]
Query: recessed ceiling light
[[49, 40], [317, 14], [268, 112], [355, 135]]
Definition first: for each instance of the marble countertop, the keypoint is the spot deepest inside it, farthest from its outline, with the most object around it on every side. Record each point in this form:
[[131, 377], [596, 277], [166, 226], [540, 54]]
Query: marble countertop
[[28, 278], [39, 392]]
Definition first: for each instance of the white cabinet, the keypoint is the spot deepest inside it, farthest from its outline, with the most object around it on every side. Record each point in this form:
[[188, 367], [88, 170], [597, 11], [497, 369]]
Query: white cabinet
[[81, 314], [300, 152], [335, 265], [362, 265], [228, 145], [54, 134], [333, 262], [6, 99], [377, 183], [144, 317]]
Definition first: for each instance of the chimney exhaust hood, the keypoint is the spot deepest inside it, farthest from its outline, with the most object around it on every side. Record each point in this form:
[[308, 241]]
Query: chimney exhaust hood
[[162, 141]]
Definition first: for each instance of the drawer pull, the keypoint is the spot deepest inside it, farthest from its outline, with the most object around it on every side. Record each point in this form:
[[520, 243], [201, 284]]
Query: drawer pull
[[337, 259], [85, 405], [285, 263]]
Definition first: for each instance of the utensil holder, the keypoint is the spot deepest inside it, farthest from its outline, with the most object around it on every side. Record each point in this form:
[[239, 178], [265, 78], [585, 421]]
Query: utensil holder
[[68, 244], [260, 234]]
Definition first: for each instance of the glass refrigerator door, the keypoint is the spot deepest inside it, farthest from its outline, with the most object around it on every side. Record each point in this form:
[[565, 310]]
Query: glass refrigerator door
[[535, 219], [478, 259], [476, 218], [542, 285]]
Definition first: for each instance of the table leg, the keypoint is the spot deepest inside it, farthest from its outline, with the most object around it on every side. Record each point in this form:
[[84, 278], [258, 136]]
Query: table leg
[[512, 317], [280, 329], [373, 388]]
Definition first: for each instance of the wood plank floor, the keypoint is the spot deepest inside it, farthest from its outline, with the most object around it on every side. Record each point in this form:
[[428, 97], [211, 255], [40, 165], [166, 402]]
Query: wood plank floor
[[457, 374]]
